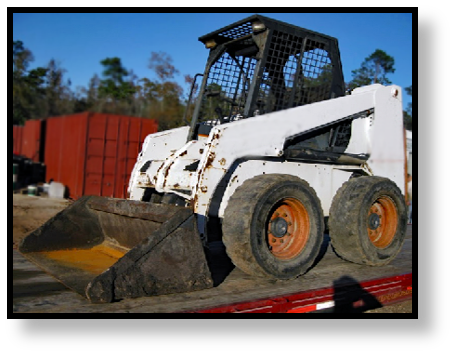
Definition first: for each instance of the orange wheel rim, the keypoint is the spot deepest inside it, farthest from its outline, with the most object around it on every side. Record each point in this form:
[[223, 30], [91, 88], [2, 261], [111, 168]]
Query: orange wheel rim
[[382, 222], [288, 229]]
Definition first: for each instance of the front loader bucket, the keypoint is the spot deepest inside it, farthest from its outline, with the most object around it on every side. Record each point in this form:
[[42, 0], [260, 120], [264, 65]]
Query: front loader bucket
[[109, 249]]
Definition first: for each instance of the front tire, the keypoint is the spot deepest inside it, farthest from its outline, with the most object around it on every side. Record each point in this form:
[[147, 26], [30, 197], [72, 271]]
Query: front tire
[[273, 226]]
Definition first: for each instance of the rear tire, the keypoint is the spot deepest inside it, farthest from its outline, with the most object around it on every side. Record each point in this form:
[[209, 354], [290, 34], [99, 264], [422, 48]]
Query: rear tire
[[367, 221], [273, 226]]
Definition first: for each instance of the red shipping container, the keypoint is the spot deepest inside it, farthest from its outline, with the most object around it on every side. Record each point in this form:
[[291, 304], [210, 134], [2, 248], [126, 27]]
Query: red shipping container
[[28, 139], [94, 153], [18, 132], [31, 140]]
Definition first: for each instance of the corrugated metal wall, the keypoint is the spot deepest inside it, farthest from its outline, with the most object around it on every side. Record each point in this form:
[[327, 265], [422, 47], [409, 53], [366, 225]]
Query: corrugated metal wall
[[94, 153], [90, 153], [27, 139], [31, 143], [18, 132]]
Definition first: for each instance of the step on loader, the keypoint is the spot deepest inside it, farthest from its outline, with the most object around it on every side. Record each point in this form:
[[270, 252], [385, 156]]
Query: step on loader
[[274, 151]]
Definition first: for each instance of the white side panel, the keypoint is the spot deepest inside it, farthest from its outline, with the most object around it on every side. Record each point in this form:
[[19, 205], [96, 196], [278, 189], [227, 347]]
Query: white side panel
[[156, 146], [265, 136], [324, 179], [387, 136], [360, 141]]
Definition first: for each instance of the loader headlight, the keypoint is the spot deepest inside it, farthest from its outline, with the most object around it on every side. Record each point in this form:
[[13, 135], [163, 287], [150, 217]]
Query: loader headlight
[[258, 27], [211, 43]]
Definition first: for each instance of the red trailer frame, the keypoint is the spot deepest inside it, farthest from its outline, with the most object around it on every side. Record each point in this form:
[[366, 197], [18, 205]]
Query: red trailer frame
[[354, 297]]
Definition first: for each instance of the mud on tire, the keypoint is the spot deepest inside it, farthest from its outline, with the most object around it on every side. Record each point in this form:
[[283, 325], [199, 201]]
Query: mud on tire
[[273, 226]]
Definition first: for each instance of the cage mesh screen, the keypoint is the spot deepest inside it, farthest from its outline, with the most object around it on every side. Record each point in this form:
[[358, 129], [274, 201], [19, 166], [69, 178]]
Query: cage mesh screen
[[289, 80], [238, 32], [227, 87], [297, 70]]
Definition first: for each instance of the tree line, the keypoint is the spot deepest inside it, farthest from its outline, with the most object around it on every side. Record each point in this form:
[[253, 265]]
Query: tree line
[[373, 70], [44, 92]]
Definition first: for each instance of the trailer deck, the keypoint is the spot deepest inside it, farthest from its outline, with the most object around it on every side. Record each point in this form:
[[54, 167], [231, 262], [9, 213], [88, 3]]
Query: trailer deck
[[332, 285]]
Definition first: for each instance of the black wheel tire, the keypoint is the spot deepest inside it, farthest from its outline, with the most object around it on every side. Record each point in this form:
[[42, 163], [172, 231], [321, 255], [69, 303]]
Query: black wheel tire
[[367, 221], [252, 212]]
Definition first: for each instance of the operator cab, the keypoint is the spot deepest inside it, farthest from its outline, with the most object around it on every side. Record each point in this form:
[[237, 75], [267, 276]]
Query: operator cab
[[259, 65]]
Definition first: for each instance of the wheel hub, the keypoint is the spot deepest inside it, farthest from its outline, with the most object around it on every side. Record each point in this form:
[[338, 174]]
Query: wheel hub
[[288, 229], [279, 227], [374, 221], [382, 222]]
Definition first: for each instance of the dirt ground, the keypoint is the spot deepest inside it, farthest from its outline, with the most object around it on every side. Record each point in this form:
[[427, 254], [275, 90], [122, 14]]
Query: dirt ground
[[30, 212]]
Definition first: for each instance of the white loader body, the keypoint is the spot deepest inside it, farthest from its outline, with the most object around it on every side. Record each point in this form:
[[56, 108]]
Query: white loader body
[[206, 172]]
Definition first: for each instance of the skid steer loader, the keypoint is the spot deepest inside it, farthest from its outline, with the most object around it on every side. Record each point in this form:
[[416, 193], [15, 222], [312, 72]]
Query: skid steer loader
[[274, 149]]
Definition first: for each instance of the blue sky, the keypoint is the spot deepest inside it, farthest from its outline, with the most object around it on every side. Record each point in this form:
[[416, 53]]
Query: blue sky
[[78, 42]]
